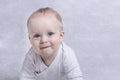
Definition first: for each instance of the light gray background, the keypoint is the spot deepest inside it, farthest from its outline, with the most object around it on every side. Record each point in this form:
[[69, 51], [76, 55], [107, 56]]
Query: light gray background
[[92, 29]]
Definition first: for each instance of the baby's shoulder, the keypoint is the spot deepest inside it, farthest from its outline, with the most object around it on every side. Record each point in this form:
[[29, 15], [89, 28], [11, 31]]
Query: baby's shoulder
[[31, 54], [33, 57], [67, 49]]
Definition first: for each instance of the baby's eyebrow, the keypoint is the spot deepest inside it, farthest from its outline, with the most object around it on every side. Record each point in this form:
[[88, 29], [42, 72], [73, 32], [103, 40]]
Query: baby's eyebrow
[[35, 33]]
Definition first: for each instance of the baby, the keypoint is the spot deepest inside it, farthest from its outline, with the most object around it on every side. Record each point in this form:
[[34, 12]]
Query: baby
[[49, 57]]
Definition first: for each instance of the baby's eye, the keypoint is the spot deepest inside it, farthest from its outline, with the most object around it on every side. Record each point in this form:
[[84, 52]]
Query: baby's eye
[[36, 36], [50, 33]]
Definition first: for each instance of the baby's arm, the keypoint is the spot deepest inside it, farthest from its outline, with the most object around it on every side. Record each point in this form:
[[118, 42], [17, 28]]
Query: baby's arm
[[27, 72], [71, 67]]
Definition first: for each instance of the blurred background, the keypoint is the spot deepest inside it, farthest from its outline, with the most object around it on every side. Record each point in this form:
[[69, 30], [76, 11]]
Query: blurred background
[[92, 29]]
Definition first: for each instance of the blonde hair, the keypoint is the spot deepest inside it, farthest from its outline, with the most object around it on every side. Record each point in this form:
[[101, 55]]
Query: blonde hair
[[44, 11]]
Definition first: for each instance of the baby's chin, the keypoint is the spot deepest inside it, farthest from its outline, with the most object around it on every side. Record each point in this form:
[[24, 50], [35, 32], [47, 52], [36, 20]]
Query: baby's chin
[[44, 51]]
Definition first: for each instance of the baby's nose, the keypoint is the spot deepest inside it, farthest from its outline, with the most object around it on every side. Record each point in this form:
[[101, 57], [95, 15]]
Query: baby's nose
[[44, 39]]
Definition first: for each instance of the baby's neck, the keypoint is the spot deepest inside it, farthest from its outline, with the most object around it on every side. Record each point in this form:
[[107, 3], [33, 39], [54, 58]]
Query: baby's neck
[[48, 60]]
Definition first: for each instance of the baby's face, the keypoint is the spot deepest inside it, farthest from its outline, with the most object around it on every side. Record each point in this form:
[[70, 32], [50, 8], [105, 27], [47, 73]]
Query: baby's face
[[45, 35]]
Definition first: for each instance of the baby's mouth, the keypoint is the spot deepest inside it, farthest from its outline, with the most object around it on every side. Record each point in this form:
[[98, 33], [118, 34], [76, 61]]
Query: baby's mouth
[[45, 47]]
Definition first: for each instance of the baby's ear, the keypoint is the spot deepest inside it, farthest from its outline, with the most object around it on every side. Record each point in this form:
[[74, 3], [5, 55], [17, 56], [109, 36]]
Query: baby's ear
[[62, 35]]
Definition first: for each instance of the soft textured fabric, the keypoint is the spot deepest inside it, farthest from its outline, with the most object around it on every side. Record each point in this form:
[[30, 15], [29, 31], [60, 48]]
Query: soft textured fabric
[[64, 67]]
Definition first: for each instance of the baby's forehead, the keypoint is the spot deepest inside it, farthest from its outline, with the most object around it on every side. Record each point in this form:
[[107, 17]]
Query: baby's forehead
[[38, 17], [42, 15], [46, 22], [44, 19], [43, 29]]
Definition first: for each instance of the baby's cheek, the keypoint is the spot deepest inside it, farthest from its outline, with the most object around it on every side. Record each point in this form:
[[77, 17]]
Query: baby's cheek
[[35, 45], [55, 41]]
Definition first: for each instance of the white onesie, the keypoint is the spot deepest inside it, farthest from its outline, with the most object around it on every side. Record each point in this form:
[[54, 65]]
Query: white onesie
[[64, 67]]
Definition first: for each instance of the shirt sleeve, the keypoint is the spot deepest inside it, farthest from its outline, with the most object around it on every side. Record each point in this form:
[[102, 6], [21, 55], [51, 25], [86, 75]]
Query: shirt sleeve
[[27, 72], [70, 66]]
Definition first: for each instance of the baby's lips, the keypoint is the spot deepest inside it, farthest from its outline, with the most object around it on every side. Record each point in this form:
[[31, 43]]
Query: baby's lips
[[44, 47]]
